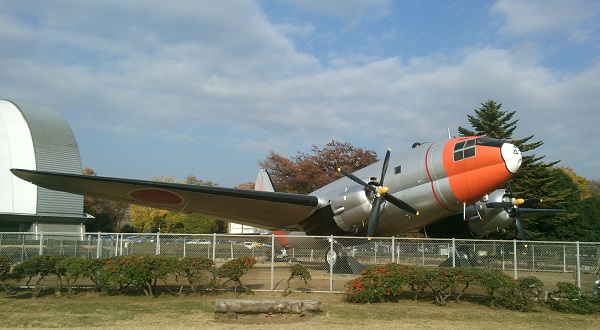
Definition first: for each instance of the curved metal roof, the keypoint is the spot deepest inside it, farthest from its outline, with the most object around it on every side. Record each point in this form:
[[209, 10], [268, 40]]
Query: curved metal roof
[[36, 137]]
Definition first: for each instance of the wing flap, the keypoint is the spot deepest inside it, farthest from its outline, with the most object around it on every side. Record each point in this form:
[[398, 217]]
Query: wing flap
[[270, 210]]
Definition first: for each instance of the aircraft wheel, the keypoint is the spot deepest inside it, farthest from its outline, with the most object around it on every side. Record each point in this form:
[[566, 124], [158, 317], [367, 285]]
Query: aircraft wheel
[[331, 257]]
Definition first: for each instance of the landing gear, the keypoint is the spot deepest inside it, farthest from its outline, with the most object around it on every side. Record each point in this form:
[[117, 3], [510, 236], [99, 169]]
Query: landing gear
[[284, 257], [338, 262], [464, 256]]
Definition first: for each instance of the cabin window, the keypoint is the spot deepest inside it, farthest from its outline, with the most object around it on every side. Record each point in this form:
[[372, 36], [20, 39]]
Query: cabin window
[[398, 169], [464, 149]]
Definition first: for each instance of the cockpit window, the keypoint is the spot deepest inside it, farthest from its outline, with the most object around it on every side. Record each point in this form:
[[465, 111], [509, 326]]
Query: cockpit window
[[464, 149], [490, 142]]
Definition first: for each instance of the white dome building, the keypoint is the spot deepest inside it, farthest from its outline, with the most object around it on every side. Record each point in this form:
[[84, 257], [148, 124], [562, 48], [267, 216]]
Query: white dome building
[[38, 138]]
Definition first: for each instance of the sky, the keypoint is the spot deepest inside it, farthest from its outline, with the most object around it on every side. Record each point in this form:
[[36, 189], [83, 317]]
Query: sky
[[210, 88]]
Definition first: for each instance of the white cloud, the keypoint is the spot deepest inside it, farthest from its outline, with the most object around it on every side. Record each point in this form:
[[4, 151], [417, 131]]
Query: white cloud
[[343, 9], [535, 17], [222, 74]]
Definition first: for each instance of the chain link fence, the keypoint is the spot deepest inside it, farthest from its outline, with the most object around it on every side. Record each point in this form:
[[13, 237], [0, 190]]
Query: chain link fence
[[332, 261]]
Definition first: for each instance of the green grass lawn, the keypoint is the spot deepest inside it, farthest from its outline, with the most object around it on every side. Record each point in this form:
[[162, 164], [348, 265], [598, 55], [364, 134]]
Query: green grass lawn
[[195, 311]]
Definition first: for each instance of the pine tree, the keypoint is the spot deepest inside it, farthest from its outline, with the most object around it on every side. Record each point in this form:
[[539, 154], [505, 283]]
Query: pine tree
[[535, 178]]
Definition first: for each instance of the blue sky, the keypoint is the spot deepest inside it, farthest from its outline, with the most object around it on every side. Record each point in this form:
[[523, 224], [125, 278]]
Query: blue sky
[[211, 87]]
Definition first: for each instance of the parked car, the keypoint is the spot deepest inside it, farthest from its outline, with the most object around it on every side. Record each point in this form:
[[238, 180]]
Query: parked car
[[199, 241]]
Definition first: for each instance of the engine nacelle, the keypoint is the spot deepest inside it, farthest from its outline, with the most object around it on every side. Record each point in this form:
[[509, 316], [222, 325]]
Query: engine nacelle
[[491, 219], [480, 219], [351, 208]]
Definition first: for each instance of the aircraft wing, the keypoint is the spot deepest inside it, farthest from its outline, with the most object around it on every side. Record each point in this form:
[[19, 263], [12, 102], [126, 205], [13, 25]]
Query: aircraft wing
[[270, 210]]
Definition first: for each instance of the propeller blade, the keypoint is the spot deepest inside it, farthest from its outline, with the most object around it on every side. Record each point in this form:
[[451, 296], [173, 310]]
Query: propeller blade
[[400, 204], [374, 217], [498, 205], [530, 201], [380, 192], [519, 223], [386, 161], [357, 180], [523, 203]]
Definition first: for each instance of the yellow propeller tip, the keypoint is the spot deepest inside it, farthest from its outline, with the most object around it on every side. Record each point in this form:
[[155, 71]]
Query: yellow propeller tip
[[339, 169], [417, 213]]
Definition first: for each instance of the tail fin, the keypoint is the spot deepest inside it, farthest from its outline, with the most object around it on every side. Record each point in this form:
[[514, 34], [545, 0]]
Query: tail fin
[[263, 181]]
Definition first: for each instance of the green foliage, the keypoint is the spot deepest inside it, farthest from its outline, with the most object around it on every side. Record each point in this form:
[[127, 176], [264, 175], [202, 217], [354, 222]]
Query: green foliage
[[297, 271], [234, 269], [520, 295], [141, 271], [387, 282], [196, 270], [535, 178], [40, 267], [568, 299], [5, 273], [443, 282], [4, 268], [492, 280], [379, 283], [76, 268], [301, 272]]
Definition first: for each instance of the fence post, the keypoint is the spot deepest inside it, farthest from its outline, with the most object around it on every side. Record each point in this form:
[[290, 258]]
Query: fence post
[[117, 245], [516, 275], [564, 258], [41, 252], [214, 247], [578, 268], [331, 263], [23, 251], [98, 246], [393, 248], [272, 262], [158, 243], [453, 252], [532, 257]]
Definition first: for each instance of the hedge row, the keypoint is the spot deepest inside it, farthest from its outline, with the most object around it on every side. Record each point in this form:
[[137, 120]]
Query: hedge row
[[118, 273], [389, 282]]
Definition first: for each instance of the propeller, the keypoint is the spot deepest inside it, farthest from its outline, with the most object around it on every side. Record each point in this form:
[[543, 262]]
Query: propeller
[[381, 192], [515, 204]]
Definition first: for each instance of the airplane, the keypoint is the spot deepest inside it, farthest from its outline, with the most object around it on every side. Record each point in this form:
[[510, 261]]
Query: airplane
[[424, 185], [447, 189]]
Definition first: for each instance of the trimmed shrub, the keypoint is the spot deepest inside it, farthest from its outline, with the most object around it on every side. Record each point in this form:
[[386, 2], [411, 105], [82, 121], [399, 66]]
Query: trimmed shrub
[[142, 271], [296, 271], [5, 273], [234, 269], [568, 299], [196, 270], [380, 283], [385, 283], [40, 267]]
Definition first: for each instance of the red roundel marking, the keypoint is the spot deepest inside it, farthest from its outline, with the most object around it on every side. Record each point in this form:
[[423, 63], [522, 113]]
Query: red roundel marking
[[156, 196]]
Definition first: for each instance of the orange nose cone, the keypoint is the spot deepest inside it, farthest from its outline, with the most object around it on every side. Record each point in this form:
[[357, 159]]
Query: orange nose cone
[[482, 171]]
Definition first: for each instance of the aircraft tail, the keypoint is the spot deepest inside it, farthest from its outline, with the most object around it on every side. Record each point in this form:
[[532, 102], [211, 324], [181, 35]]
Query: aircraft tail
[[263, 181]]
